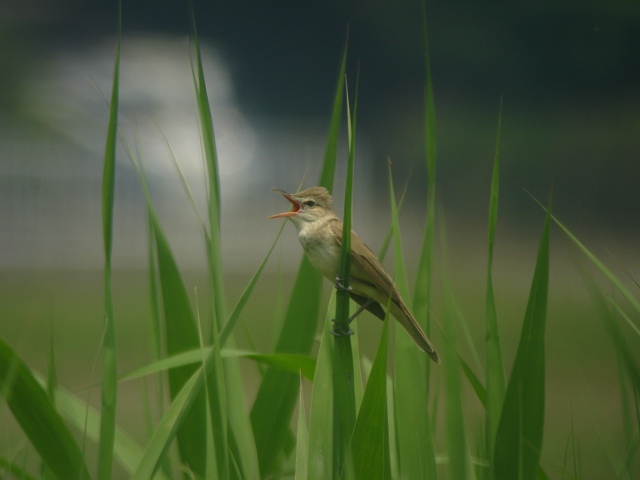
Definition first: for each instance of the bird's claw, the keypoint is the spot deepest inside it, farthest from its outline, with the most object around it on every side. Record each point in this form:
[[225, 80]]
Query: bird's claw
[[340, 332], [340, 285]]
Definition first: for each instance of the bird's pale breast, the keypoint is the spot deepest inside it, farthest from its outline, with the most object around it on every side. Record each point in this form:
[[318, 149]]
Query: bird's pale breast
[[321, 248]]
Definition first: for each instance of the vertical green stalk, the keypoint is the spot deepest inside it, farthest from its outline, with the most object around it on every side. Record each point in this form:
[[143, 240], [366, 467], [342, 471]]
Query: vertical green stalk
[[344, 408], [109, 357], [495, 387]]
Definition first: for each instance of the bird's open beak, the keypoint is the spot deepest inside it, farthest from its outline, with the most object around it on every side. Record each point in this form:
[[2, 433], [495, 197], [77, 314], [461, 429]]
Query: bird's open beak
[[295, 205]]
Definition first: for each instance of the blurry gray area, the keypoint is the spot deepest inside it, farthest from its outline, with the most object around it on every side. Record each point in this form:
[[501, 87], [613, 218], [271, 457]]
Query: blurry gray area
[[568, 75]]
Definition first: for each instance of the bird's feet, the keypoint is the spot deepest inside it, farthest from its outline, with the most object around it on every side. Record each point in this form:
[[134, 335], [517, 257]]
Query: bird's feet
[[338, 330], [340, 285]]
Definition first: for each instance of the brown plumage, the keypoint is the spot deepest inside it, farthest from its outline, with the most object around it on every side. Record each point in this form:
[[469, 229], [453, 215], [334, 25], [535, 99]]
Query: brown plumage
[[320, 233]]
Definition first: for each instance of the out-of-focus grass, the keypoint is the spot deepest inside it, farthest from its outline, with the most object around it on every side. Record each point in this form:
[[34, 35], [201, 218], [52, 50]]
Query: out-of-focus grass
[[581, 365]]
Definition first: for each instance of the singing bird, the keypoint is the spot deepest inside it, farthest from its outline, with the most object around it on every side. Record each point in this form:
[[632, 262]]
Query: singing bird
[[320, 233]]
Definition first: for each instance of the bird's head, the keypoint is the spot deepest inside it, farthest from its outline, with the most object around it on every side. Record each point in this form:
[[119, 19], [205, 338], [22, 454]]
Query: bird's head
[[308, 206]]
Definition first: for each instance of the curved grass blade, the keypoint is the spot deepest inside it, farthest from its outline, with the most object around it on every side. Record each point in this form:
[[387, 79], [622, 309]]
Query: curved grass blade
[[109, 357], [277, 396], [216, 386], [519, 435], [168, 427], [288, 362], [38, 419], [495, 388], [633, 301]]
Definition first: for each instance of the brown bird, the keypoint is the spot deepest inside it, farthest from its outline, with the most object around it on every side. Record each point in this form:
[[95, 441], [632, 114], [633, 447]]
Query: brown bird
[[320, 233]]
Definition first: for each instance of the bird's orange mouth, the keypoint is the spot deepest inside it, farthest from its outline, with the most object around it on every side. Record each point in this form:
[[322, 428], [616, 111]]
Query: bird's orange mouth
[[295, 205]]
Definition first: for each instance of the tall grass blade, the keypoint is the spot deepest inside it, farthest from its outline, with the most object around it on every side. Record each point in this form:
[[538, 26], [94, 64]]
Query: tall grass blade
[[181, 335], [344, 406], [278, 392], [422, 293], [38, 419], [495, 388], [216, 389], [329, 164], [519, 435], [109, 357], [302, 443], [414, 432], [232, 430], [320, 463], [369, 447]]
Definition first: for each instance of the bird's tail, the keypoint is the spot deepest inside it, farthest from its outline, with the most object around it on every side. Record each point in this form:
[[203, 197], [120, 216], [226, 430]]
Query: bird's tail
[[409, 323]]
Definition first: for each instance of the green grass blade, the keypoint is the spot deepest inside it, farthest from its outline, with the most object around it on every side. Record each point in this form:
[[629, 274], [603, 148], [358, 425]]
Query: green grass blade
[[181, 335], [213, 177], [289, 362], [320, 463], [127, 452], [370, 441], [244, 298], [38, 419], [278, 392], [344, 406], [109, 357], [7, 466], [495, 387], [168, 427], [412, 423], [52, 385], [329, 165], [519, 435], [459, 464], [633, 301], [216, 387], [474, 381], [422, 293], [302, 441]]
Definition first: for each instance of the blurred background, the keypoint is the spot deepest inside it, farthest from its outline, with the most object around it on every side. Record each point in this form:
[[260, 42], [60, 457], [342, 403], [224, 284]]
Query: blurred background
[[567, 75]]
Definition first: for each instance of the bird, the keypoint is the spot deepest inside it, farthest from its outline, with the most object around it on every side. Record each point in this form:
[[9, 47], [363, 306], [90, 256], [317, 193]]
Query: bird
[[370, 286]]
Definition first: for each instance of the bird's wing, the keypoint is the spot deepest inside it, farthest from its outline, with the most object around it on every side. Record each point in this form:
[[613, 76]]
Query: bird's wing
[[369, 264]]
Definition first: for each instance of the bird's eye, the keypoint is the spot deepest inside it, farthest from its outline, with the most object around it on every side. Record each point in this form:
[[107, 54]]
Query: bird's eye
[[310, 203]]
